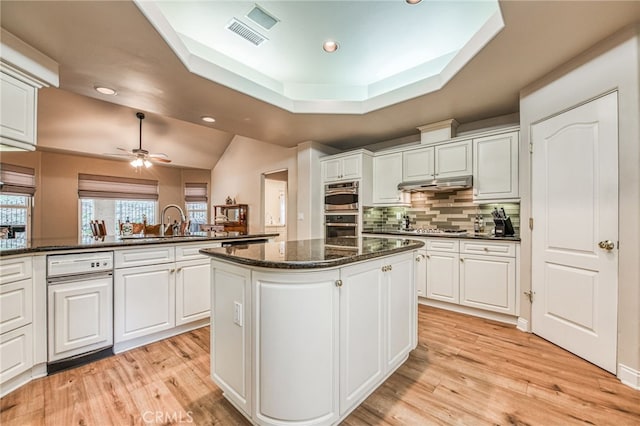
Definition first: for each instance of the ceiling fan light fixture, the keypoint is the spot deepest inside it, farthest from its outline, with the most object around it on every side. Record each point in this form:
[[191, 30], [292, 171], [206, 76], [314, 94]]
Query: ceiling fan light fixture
[[330, 46], [147, 163], [105, 90], [413, 1], [137, 163]]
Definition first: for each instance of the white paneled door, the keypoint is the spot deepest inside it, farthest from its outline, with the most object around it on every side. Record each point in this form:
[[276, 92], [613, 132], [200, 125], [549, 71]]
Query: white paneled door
[[575, 234]]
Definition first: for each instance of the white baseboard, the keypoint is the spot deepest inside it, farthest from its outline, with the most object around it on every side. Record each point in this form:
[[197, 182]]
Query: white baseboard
[[523, 325], [629, 376], [161, 335]]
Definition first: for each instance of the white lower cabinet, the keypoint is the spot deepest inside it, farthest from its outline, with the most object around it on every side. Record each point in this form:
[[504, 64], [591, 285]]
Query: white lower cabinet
[[401, 307], [16, 304], [297, 315], [144, 300], [488, 282], [16, 352], [193, 291], [421, 273], [82, 317], [475, 273]]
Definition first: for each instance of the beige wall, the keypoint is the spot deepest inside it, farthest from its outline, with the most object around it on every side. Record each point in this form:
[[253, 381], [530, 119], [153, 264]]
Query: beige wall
[[238, 175], [55, 213], [613, 64]]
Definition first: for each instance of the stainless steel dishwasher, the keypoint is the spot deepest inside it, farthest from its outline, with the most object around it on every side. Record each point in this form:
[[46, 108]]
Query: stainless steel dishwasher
[[80, 308]]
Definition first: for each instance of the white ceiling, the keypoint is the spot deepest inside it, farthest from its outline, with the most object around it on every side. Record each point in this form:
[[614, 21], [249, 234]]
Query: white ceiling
[[112, 43], [383, 46]]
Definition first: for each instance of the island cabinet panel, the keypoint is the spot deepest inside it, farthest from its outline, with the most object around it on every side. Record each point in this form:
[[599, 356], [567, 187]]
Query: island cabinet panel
[[361, 332], [193, 291], [296, 315], [144, 300], [401, 308], [231, 333]]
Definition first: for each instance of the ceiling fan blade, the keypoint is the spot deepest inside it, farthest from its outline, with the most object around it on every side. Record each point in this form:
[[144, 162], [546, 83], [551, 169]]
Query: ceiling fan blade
[[159, 160], [124, 149], [158, 155], [111, 154]]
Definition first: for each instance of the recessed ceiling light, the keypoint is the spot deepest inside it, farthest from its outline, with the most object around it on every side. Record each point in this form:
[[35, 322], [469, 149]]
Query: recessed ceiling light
[[208, 119], [413, 1], [330, 46], [105, 90]]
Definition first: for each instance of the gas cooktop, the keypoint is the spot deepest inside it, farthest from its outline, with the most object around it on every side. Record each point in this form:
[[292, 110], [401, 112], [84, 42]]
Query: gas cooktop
[[453, 232]]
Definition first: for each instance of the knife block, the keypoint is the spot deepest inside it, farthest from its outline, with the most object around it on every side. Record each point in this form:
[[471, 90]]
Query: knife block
[[504, 227]]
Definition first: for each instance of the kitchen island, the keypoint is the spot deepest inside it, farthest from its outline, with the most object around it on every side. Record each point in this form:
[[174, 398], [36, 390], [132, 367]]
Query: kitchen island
[[303, 332]]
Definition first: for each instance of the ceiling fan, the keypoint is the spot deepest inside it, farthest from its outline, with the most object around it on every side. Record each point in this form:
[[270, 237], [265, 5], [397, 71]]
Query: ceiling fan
[[142, 157]]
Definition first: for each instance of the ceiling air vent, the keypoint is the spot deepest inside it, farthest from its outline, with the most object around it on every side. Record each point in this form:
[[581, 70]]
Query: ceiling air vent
[[246, 32], [262, 17]]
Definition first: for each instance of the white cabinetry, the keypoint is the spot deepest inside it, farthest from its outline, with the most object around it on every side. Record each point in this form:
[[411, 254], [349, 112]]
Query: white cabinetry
[[82, 317], [495, 167], [418, 164], [421, 272], [476, 273], [16, 317], [18, 106], [442, 270], [453, 159], [400, 309], [387, 174], [342, 167]]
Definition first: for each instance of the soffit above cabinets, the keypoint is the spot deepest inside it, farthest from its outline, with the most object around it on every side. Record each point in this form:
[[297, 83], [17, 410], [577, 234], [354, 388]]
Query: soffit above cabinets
[[389, 51]]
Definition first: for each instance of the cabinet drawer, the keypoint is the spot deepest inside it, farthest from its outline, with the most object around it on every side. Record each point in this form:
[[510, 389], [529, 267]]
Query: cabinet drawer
[[443, 244], [144, 257], [16, 305], [494, 248], [15, 269], [192, 251], [16, 352]]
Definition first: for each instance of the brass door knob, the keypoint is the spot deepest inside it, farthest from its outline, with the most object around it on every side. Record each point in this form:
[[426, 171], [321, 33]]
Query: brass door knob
[[606, 245]]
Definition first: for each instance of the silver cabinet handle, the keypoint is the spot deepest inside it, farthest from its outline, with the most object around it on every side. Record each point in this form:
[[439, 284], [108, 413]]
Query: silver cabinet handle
[[338, 283]]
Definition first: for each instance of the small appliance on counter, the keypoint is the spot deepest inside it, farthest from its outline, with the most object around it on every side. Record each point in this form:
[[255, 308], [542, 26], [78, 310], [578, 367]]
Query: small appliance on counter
[[504, 227]]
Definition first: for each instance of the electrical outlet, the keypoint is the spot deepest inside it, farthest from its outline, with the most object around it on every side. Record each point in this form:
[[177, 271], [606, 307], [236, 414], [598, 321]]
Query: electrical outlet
[[237, 313], [398, 216]]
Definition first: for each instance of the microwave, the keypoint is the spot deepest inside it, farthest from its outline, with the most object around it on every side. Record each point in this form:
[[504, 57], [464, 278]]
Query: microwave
[[341, 197]]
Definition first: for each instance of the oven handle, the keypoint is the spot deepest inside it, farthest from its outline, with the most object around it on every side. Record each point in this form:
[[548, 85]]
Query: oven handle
[[343, 225], [78, 277], [341, 192]]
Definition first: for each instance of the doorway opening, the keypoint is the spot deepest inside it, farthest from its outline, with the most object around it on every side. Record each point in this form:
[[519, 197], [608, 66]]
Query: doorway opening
[[274, 203]]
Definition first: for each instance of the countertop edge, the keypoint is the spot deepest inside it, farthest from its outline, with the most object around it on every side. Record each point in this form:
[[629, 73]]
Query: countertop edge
[[302, 265], [131, 243], [459, 237]]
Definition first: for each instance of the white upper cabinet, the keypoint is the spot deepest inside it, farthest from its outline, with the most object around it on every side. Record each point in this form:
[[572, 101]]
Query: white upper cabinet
[[387, 174], [495, 167], [418, 164], [342, 168], [18, 119], [453, 159]]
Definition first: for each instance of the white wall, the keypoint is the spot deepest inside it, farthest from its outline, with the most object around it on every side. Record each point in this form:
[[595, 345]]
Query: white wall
[[612, 64], [238, 174]]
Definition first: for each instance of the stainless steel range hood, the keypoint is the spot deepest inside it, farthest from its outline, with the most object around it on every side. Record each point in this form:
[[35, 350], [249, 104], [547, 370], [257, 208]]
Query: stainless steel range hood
[[437, 185]]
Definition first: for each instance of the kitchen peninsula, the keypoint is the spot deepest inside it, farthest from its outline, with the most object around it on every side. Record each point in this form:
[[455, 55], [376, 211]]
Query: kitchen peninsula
[[303, 332]]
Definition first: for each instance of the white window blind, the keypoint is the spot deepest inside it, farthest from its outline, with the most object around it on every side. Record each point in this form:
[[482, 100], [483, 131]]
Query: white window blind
[[17, 179], [112, 187], [195, 192]]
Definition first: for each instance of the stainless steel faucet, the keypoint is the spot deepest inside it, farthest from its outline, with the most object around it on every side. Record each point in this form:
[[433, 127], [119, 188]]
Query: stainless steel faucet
[[182, 216]]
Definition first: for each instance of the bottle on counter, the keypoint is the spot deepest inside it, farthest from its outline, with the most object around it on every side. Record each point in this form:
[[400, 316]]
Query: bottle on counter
[[476, 224], [127, 228]]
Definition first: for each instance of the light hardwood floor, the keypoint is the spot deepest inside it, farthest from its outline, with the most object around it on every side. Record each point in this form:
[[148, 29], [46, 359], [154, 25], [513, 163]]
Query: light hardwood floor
[[465, 371]]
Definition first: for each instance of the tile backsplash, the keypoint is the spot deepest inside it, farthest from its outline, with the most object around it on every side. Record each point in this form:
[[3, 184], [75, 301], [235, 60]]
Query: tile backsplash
[[445, 210]]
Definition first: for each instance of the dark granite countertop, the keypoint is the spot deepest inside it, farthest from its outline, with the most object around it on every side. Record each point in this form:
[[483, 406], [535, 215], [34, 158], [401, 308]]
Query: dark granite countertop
[[311, 254], [13, 247], [468, 235]]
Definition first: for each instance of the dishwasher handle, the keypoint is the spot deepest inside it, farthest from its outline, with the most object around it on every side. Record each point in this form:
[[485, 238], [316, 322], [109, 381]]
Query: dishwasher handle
[[78, 277]]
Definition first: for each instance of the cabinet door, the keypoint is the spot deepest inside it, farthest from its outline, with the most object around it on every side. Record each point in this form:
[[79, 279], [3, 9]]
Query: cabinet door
[[418, 164], [18, 106], [453, 159], [443, 276], [332, 169], [387, 174], [352, 167], [16, 353], [296, 365], [231, 323], [401, 308], [495, 167], [193, 291], [16, 304], [144, 300], [81, 314], [488, 282], [421, 273], [361, 332]]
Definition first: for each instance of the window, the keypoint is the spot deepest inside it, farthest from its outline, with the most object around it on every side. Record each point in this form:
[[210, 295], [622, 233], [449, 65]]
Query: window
[[195, 200], [114, 200], [17, 186]]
